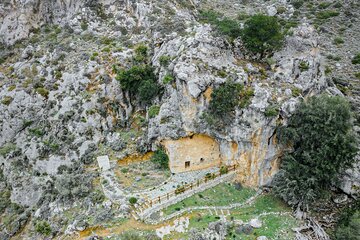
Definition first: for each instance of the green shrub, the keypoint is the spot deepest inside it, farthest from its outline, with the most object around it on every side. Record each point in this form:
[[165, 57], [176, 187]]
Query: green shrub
[[222, 74], [224, 99], [7, 148], [281, 9], [7, 100], [327, 70], [350, 230], [296, 91], [139, 80], [224, 170], [209, 176], [356, 59], [161, 159], [57, 30], [148, 90], [106, 49], [37, 132], [245, 96], [327, 14], [357, 75], [320, 132], [324, 5], [11, 88], [43, 92], [168, 79], [272, 111], [58, 75], [124, 170], [2, 60], [297, 3], [133, 200], [223, 25], [43, 228], [262, 34], [97, 197], [131, 79], [153, 111], [141, 52], [84, 25], [303, 66], [338, 40], [337, 5], [164, 60], [4, 200], [106, 40]]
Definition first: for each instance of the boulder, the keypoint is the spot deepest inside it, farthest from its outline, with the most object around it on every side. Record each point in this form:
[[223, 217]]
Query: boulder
[[255, 223]]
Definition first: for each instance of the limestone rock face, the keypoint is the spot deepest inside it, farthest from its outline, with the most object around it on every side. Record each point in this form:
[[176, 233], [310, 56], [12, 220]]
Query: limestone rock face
[[61, 105], [250, 139]]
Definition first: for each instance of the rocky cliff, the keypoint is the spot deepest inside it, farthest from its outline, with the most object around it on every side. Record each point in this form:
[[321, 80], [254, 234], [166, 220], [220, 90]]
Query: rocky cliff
[[61, 105]]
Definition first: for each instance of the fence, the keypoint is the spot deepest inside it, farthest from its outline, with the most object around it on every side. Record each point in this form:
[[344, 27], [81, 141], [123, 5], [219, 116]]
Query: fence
[[182, 189]]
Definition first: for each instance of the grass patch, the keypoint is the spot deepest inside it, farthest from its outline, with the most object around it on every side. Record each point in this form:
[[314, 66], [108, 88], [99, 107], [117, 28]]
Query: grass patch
[[7, 100], [168, 79], [274, 226], [221, 195], [7, 148], [154, 111]]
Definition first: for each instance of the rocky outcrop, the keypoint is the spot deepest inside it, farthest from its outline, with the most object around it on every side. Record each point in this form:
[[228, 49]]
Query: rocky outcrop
[[61, 105], [249, 139]]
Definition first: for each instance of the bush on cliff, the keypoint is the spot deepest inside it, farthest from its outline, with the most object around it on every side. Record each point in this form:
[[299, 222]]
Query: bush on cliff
[[141, 81], [262, 34], [223, 25], [161, 159], [320, 136], [224, 99]]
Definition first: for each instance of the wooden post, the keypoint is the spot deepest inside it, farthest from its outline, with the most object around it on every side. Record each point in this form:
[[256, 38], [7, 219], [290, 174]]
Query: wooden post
[[150, 203], [167, 195], [159, 199]]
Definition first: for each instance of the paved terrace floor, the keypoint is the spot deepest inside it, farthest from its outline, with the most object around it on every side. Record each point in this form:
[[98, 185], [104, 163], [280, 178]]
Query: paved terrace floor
[[175, 181]]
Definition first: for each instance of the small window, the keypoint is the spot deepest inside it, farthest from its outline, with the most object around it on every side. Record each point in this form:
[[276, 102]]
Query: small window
[[202, 160], [187, 164]]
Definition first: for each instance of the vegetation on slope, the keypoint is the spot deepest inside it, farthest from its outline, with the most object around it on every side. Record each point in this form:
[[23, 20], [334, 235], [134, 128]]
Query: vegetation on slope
[[320, 135]]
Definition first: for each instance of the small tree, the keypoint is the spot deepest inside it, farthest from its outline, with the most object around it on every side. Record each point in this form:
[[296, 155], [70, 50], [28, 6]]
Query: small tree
[[161, 159], [262, 34], [320, 134], [139, 80]]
